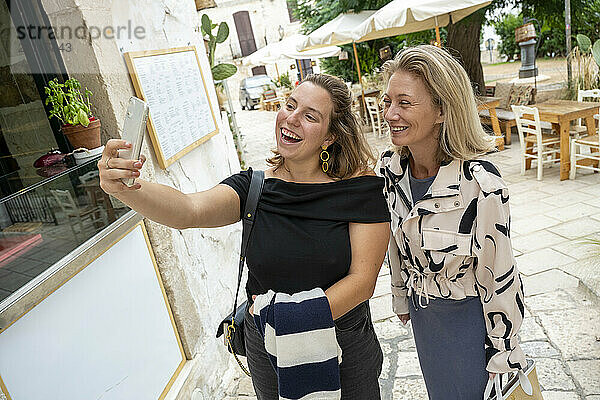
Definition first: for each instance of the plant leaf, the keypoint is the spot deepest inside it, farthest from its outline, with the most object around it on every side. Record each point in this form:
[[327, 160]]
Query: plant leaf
[[223, 32], [223, 71], [584, 43], [206, 24], [83, 118], [596, 52]]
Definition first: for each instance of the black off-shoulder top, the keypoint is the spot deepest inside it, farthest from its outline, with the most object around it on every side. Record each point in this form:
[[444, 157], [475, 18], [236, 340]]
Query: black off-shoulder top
[[300, 238]]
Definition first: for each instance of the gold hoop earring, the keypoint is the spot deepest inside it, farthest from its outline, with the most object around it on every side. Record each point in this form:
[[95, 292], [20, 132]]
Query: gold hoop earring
[[324, 156]]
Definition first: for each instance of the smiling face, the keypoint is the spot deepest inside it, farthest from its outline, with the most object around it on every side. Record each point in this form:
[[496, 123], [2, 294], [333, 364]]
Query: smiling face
[[302, 125], [409, 110]]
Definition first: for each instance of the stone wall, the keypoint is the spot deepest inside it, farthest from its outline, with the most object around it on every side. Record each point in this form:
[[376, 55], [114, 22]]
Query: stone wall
[[198, 266]]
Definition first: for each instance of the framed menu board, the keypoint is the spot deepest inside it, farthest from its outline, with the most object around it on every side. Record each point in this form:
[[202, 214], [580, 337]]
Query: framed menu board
[[181, 114]]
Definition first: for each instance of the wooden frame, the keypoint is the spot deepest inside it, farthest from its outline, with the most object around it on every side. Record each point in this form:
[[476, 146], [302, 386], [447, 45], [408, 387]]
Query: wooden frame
[[164, 157], [156, 272]]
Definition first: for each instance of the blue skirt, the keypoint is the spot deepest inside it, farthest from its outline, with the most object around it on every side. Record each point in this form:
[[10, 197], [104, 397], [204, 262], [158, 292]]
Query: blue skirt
[[450, 340]]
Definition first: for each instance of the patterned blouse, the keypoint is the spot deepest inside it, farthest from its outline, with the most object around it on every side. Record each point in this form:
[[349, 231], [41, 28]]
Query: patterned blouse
[[454, 243]]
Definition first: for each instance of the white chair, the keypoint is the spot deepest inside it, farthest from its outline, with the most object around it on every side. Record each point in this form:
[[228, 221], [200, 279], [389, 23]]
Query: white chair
[[76, 215], [588, 159], [544, 148], [583, 95], [375, 117]]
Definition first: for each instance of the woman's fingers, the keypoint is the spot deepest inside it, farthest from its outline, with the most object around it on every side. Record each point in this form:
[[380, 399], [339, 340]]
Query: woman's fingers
[[121, 163], [404, 318], [112, 147], [112, 168], [115, 173], [251, 309]]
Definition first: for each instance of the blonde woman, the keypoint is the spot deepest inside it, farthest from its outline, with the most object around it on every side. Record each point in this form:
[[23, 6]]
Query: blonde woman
[[453, 271]]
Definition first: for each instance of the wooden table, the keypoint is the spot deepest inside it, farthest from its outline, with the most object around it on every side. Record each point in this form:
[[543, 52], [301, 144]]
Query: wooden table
[[490, 104], [560, 113]]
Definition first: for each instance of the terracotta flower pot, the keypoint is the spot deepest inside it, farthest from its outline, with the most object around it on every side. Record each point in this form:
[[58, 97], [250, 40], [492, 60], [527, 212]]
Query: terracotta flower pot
[[82, 136]]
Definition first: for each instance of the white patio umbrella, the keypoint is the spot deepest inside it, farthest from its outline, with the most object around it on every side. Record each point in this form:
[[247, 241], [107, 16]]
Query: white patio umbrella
[[396, 18], [287, 50], [343, 29], [406, 16]]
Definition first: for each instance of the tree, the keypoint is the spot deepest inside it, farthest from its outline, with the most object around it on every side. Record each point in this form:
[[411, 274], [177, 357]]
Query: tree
[[505, 28], [463, 35], [463, 38]]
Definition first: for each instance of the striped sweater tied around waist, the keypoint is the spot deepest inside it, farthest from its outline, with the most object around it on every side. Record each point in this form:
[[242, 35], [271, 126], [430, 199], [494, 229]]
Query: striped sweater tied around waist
[[300, 339]]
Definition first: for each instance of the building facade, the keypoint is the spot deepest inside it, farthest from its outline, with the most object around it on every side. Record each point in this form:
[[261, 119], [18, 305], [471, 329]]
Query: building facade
[[253, 24], [197, 267]]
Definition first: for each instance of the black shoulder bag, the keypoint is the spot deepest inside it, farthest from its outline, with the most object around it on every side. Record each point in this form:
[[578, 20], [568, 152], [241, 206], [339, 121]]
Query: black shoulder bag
[[233, 324]]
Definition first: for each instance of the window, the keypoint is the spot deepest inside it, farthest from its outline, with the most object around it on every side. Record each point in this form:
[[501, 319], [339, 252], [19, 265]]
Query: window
[[46, 212], [26, 133]]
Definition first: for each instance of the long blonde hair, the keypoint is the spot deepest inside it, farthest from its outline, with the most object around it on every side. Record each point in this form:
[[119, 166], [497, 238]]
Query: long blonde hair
[[349, 153], [461, 134]]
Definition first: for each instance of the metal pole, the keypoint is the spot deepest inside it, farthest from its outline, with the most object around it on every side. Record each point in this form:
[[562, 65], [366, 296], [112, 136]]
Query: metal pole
[[299, 63], [236, 129], [438, 40], [359, 77], [568, 34]]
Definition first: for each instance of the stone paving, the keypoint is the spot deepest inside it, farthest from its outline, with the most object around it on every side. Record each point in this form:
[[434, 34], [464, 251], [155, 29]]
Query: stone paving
[[550, 220]]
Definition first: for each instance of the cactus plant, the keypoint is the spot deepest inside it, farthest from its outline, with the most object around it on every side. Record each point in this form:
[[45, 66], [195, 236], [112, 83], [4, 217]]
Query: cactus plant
[[220, 71], [587, 57], [585, 45]]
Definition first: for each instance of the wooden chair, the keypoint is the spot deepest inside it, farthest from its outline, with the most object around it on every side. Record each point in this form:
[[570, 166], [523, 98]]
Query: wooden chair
[[270, 101], [76, 215], [580, 158], [375, 117], [534, 144]]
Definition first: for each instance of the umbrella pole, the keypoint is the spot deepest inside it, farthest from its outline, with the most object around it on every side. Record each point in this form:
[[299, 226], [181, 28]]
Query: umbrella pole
[[299, 64], [277, 70], [438, 40], [359, 76]]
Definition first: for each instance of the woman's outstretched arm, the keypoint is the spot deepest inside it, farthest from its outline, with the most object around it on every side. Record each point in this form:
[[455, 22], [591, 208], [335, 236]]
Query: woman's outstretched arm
[[218, 206]]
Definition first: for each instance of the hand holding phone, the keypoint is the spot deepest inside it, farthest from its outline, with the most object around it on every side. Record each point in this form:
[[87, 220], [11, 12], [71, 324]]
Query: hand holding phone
[[133, 131]]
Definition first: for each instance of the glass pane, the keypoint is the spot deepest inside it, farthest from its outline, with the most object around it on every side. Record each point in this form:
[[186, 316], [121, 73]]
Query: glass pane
[[25, 132], [46, 222]]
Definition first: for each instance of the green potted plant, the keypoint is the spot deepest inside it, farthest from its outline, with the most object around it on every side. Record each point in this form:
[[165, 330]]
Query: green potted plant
[[73, 109]]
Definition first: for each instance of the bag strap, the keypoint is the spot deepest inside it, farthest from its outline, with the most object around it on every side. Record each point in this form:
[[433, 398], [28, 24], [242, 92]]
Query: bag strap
[[488, 388], [254, 192], [523, 381]]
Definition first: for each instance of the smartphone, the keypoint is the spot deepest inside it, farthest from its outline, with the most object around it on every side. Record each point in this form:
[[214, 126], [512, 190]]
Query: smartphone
[[133, 131]]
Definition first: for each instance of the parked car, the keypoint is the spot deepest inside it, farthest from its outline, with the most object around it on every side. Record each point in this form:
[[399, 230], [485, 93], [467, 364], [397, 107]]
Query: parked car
[[252, 88]]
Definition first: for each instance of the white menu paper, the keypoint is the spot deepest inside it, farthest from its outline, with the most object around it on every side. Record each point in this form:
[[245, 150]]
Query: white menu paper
[[180, 112]]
